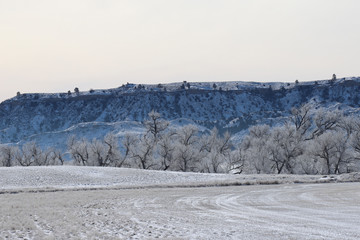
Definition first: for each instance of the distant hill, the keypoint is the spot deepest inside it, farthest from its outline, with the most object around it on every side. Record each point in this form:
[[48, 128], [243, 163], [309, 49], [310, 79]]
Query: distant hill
[[232, 106]]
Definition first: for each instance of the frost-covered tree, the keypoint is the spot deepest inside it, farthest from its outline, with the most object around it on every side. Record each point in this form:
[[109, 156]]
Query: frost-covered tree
[[52, 156], [128, 144], [187, 152], [236, 161], [187, 158], [216, 152], [7, 155], [99, 152], [149, 150], [56, 157], [166, 150], [188, 135], [311, 142], [29, 154], [106, 152], [255, 150], [301, 118], [310, 122], [354, 143], [284, 147], [349, 124], [315, 141], [79, 150], [331, 151], [155, 125], [142, 154], [113, 155], [325, 120], [308, 164]]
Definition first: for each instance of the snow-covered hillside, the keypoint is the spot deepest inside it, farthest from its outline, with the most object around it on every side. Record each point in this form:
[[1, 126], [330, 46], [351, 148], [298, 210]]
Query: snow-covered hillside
[[52, 118]]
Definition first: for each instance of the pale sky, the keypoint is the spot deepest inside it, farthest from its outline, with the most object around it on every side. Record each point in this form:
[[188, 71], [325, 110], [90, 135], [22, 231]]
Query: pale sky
[[57, 45]]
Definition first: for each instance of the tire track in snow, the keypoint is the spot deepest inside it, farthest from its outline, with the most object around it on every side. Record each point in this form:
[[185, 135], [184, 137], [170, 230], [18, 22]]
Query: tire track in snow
[[312, 211]]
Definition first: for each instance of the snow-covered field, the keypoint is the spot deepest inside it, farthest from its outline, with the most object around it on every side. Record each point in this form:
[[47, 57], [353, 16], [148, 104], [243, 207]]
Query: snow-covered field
[[67, 202]]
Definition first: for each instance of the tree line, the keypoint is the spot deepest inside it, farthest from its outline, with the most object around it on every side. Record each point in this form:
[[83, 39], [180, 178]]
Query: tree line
[[310, 141], [159, 148]]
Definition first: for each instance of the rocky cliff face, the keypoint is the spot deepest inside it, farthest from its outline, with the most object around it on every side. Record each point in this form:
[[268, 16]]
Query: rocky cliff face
[[232, 106]]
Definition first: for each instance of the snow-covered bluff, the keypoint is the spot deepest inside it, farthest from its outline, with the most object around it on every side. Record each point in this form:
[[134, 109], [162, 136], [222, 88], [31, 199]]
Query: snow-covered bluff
[[232, 106]]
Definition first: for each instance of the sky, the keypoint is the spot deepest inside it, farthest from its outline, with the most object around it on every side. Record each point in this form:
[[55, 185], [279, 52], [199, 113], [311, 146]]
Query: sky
[[57, 45]]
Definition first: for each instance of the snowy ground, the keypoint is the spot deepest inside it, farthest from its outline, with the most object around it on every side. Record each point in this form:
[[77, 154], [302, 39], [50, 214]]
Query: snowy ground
[[107, 203]]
